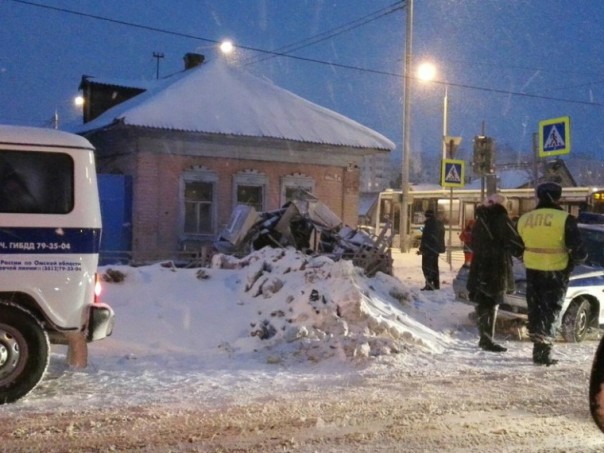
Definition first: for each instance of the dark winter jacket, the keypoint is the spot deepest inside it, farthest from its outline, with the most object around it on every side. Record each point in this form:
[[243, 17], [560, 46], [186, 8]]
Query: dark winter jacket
[[494, 242], [433, 237]]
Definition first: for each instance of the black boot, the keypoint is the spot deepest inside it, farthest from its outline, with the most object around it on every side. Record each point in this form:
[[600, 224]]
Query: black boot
[[487, 344], [486, 317], [542, 354], [428, 287]]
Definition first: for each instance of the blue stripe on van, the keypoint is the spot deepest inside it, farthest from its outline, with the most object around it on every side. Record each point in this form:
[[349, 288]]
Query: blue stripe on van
[[36, 240]]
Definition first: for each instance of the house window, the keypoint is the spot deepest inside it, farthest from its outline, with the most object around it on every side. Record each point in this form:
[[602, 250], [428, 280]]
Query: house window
[[296, 186], [199, 195], [250, 188], [251, 196]]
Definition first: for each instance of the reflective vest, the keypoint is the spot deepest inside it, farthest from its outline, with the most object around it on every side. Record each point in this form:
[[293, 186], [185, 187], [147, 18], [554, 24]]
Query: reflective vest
[[542, 231]]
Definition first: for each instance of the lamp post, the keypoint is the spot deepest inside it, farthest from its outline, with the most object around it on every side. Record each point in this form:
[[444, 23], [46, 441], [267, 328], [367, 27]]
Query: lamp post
[[404, 215], [427, 72], [445, 121]]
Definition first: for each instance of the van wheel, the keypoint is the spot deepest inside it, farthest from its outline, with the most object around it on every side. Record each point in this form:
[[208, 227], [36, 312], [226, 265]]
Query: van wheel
[[24, 352], [576, 321]]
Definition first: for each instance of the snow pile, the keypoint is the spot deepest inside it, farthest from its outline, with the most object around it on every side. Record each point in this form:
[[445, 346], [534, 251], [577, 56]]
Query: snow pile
[[275, 304]]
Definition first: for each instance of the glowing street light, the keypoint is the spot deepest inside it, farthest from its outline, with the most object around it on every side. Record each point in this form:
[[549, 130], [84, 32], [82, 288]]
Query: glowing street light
[[227, 47], [426, 72]]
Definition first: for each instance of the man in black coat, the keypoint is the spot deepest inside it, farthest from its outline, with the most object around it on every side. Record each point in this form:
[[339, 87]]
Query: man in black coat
[[431, 245], [494, 242]]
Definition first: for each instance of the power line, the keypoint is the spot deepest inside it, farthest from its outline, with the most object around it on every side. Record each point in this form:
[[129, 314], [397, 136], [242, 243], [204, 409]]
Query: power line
[[310, 60], [328, 34], [186, 35], [183, 35], [115, 21], [517, 93]]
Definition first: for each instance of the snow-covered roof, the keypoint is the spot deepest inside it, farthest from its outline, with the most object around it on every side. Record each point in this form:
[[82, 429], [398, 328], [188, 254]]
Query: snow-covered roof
[[217, 97]]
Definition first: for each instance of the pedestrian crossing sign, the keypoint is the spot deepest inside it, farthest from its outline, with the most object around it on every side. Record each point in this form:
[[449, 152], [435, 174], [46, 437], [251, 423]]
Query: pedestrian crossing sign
[[554, 137], [452, 173]]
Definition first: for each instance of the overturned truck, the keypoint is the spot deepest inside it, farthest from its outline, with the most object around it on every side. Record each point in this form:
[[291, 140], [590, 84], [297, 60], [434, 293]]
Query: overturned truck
[[309, 226]]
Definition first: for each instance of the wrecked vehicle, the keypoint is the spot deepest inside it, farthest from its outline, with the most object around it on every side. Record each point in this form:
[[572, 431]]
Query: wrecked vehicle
[[309, 226]]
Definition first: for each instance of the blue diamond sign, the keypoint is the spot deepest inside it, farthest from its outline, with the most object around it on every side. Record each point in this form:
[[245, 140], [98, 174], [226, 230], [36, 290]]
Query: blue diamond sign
[[452, 173], [554, 137]]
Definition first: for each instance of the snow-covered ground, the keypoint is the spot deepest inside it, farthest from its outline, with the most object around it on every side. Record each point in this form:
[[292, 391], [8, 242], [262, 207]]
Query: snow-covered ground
[[334, 361]]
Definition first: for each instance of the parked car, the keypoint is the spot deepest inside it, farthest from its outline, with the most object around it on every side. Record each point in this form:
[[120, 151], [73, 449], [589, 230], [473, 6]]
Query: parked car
[[583, 307]]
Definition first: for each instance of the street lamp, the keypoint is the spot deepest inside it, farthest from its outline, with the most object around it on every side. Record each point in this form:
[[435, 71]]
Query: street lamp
[[427, 72], [227, 47]]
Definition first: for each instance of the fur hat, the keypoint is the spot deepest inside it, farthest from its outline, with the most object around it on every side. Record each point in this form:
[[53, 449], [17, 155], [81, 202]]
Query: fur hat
[[549, 191]]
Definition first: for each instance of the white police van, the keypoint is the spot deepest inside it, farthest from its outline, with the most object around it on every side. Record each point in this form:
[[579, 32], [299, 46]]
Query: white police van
[[50, 227]]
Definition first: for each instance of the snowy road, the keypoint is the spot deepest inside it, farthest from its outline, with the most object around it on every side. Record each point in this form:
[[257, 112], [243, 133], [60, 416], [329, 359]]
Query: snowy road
[[462, 400], [435, 407]]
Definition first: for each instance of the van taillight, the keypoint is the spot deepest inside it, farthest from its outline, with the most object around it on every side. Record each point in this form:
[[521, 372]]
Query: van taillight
[[97, 288]]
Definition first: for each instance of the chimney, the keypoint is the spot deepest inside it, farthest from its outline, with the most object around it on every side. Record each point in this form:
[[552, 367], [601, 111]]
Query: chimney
[[192, 60]]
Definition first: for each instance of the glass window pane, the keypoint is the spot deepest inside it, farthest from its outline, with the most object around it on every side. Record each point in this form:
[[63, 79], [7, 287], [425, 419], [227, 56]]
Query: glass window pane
[[198, 191], [198, 207], [190, 218], [205, 219], [251, 196], [36, 182]]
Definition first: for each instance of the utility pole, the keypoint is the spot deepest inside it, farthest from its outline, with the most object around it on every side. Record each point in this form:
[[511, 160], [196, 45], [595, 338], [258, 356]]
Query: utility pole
[[157, 56], [404, 214]]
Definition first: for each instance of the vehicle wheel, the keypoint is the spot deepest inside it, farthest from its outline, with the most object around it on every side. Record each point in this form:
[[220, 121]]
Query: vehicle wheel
[[24, 352], [576, 321]]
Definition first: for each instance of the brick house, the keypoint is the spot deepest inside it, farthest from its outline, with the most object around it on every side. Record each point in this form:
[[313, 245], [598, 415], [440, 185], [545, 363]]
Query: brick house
[[209, 138]]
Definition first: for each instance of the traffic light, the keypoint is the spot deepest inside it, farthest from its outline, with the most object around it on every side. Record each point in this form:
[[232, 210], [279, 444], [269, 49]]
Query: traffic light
[[483, 159]]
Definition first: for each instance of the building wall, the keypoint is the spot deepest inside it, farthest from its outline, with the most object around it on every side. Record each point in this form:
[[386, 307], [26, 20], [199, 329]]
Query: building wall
[[158, 165]]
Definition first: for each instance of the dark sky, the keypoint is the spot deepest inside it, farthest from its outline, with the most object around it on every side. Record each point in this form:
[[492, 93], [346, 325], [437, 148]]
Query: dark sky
[[508, 64]]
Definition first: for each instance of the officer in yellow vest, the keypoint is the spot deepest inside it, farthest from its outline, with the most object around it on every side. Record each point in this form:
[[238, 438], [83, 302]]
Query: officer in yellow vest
[[552, 246]]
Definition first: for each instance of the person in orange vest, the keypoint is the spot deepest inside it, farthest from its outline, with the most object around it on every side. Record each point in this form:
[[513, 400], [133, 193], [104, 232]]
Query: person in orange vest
[[466, 239], [552, 247]]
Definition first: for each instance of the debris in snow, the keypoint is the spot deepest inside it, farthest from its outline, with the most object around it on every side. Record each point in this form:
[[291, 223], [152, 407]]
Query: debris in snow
[[202, 274], [113, 276], [309, 226]]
